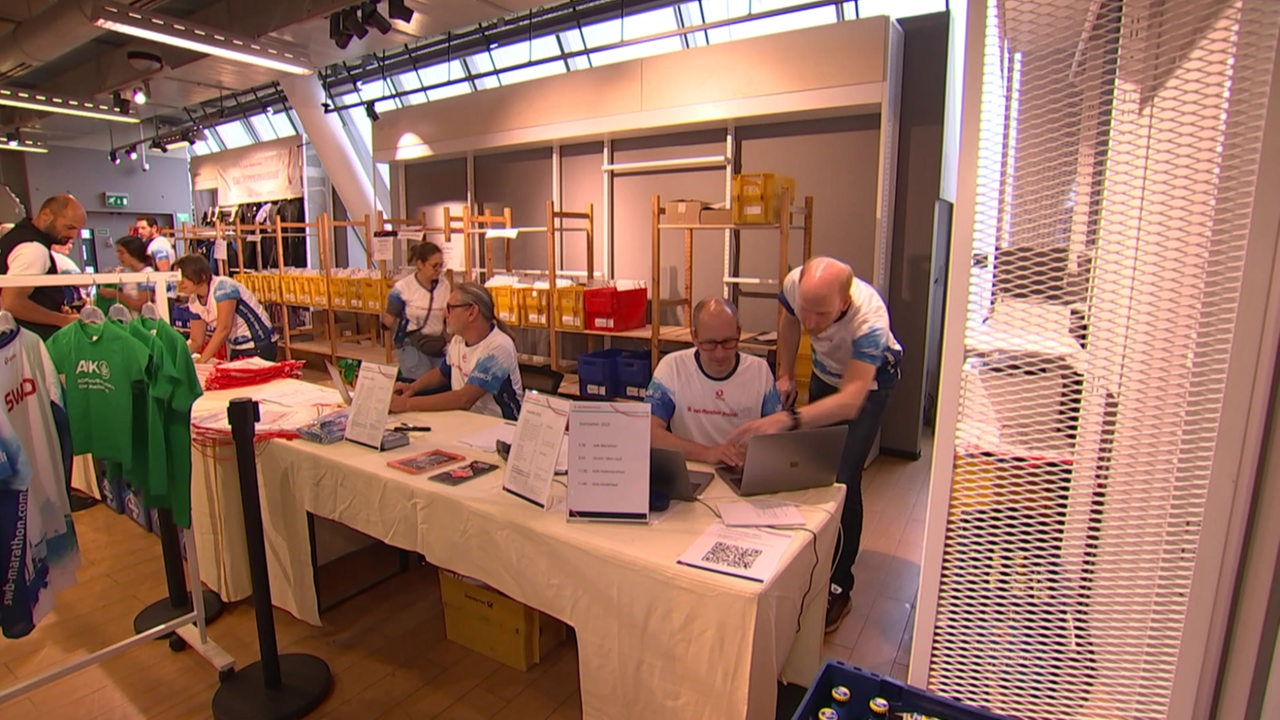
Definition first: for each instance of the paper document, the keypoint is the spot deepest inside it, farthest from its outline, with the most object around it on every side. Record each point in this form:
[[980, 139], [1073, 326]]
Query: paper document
[[758, 513], [487, 440], [383, 245], [296, 394], [507, 233], [220, 249], [535, 447], [741, 552], [374, 385], [609, 461]]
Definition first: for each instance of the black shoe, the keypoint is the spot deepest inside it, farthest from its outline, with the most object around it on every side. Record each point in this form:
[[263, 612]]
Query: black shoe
[[837, 607]]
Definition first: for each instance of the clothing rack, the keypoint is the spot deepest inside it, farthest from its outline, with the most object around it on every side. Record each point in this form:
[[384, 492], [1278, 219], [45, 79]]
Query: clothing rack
[[196, 636]]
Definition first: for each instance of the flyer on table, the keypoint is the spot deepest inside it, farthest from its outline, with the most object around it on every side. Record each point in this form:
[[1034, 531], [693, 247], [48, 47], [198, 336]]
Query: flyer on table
[[608, 461]]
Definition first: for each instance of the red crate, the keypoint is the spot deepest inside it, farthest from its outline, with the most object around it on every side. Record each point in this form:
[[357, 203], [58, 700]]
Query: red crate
[[614, 310]]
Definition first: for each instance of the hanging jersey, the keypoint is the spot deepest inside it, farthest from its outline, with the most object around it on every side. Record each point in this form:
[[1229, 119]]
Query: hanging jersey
[[421, 310], [250, 327], [182, 387], [706, 410], [39, 543], [490, 365], [67, 266], [860, 334]]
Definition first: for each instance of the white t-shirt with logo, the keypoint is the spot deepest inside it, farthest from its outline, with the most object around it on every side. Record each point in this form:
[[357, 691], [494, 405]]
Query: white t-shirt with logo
[[703, 409], [491, 365], [251, 326], [861, 334], [160, 248], [419, 309]]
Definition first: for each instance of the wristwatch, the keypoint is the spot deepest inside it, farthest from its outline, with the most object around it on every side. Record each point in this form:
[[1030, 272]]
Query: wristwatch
[[795, 419]]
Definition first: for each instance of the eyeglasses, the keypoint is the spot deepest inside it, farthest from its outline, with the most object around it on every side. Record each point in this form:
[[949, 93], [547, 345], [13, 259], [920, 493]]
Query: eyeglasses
[[451, 306], [709, 345]]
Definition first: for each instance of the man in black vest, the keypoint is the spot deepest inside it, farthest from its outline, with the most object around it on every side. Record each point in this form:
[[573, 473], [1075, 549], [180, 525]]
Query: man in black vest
[[25, 250]]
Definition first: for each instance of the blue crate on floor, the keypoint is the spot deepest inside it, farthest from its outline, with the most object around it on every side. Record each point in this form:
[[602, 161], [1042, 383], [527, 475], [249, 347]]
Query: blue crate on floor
[[111, 492], [136, 509], [634, 372], [598, 375], [864, 685]]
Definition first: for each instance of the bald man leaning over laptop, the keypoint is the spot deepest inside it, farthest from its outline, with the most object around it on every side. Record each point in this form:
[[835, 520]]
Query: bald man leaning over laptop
[[855, 367], [701, 395]]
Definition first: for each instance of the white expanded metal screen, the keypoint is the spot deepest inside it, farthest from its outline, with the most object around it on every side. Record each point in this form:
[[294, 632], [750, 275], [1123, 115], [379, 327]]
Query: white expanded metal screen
[[1119, 148]]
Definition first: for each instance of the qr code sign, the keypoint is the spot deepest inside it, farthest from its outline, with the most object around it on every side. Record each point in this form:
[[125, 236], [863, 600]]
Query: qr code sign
[[733, 556]]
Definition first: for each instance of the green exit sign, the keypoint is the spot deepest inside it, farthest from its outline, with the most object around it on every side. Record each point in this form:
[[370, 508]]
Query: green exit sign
[[116, 200]]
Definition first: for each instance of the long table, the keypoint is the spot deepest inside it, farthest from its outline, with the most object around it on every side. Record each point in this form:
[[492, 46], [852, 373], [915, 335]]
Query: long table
[[655, 639]]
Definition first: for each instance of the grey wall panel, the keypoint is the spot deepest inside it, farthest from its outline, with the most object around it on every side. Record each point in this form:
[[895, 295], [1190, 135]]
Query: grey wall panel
[[432, 186], [581, 182], [633, 202], [835, 161], [520, 180]]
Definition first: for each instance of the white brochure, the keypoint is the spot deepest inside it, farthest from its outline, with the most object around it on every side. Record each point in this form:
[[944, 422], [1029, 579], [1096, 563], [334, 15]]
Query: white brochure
[[608, 461], [384, 245], [535, 447], [371, 403]]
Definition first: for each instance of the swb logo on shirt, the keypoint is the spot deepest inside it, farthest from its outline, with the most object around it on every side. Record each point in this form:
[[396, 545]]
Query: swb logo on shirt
[[94, 367], [25, 389]]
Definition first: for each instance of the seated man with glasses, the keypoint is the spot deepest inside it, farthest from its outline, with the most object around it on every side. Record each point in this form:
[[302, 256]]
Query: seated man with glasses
[[480, 371], [701, 395]]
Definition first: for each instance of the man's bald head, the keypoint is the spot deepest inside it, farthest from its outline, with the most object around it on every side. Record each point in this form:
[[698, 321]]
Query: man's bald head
[[62, 217], [824, 293], [714, 308]]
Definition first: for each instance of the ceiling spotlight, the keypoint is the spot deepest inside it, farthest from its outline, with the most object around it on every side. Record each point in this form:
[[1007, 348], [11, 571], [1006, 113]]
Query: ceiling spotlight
[[337, 32], [132, 152], [11, 139], [114, 157], [138, 95], [372, 112], [352, 23], [397, 10], [156, 144], [120, 103], [370, 16]]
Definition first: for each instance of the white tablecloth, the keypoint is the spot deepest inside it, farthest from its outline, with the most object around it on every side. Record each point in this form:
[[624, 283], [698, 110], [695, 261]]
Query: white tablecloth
[[655, 639]]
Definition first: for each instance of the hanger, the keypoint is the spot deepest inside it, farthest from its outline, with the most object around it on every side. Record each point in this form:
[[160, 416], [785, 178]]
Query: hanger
[[119, 313], [92, 314], [150, 312]]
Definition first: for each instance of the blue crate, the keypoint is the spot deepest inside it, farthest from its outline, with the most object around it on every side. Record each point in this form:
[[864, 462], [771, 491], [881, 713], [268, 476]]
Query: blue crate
[[634, 372], [598, 375], [136, 509], [864, 685], [111, 491]]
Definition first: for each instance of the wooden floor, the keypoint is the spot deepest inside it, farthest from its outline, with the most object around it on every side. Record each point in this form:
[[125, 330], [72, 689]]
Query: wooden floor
[[387, 647]]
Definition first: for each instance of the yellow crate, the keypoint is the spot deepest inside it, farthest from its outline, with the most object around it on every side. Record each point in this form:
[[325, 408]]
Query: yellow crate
[[373, 293], [289, 289], [757, 197], [568, 311], [535, 307], [506, 304], [338, 292], [302, 286], [485, 620], [319, 290], [269, 284]]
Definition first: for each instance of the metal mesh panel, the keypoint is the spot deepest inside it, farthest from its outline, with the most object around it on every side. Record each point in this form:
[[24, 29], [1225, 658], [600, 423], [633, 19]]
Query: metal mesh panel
[[1119, 148]]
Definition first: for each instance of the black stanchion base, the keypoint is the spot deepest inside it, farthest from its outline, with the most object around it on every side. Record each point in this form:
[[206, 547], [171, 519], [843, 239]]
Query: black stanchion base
[[162, 611], [305, 682]]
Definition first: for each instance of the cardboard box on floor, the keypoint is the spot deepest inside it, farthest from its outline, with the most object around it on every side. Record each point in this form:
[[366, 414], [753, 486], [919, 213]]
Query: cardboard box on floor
[[485, 620]]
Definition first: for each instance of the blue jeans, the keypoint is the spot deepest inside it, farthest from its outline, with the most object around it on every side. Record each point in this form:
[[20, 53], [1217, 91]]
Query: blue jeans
[[414, 364], [857, 445]]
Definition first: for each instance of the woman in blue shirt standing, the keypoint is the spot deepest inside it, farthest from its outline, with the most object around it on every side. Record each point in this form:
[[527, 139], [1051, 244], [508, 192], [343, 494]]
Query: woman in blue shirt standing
[[415, 311]]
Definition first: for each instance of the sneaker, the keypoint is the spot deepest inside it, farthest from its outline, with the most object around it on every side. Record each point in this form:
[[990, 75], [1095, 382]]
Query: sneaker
[[837, 607]]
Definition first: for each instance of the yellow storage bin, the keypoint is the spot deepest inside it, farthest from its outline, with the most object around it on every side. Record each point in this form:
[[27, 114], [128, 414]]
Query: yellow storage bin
[[757, 197], [269, 287], [483, 619], [289, 289], [319, 290], [506, 303], [373, 293], [568, 311], [302, 286], [535, 307], [338, 292]]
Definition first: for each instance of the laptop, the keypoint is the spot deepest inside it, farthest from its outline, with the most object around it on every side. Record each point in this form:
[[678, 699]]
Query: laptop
[[391, 439], [788, 461], [669, 474], [338, 382]]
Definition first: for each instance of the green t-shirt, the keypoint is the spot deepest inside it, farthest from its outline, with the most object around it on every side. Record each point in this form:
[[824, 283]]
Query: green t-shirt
[[182, 387], [153, 482], [105, 373]]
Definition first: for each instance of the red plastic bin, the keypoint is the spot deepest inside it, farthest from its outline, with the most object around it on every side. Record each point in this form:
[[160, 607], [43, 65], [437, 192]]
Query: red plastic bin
[[614, 310]]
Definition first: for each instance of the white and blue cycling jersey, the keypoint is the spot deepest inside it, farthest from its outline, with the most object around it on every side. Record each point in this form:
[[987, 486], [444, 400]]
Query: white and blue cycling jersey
[[706, 410], [491, 365], [251, 326]]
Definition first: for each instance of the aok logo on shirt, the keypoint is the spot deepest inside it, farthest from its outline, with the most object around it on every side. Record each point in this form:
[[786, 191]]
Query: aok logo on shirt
[[25, 389], [94, 367]]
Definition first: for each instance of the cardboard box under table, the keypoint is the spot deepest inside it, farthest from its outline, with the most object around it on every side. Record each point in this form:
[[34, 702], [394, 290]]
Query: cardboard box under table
[[481, 618], [617, 585]]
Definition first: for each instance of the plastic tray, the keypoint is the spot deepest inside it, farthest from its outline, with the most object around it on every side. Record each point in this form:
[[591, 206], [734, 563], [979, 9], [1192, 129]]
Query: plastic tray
[[864, 685]]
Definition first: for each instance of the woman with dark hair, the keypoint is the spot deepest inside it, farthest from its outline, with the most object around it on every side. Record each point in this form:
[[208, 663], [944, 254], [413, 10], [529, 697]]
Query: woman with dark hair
[[415, 310], [133, 257], [228, 309], [481, 370]]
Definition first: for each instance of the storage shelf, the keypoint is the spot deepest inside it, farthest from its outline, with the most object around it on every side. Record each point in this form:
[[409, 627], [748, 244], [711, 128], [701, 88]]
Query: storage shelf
[[345, 350]]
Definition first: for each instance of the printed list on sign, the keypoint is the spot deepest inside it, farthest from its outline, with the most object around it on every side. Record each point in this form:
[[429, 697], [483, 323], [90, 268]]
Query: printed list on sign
[[609, 461]]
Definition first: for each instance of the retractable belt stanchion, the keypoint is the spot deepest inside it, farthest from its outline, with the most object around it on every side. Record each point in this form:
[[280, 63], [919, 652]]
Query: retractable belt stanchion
[[178, 603], [277, 686]]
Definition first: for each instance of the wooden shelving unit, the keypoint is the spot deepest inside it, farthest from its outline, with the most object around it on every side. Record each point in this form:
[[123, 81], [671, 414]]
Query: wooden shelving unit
[[556, 229], [472, 227]]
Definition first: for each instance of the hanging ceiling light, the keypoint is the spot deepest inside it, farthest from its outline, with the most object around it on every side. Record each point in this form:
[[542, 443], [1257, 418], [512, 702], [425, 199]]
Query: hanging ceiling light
[[44, 102], [132, 152], [114, 157], [201, 38], [370, 17], [338, 31], [397, 10], [372, 112], [139, 95]]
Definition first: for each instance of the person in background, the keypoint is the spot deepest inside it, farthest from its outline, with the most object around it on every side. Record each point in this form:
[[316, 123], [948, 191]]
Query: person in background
[[700, 395], [27, 250], [158, 246], [855, 368], [415, 311], [480, 369], [227, 308], [133, 258]]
